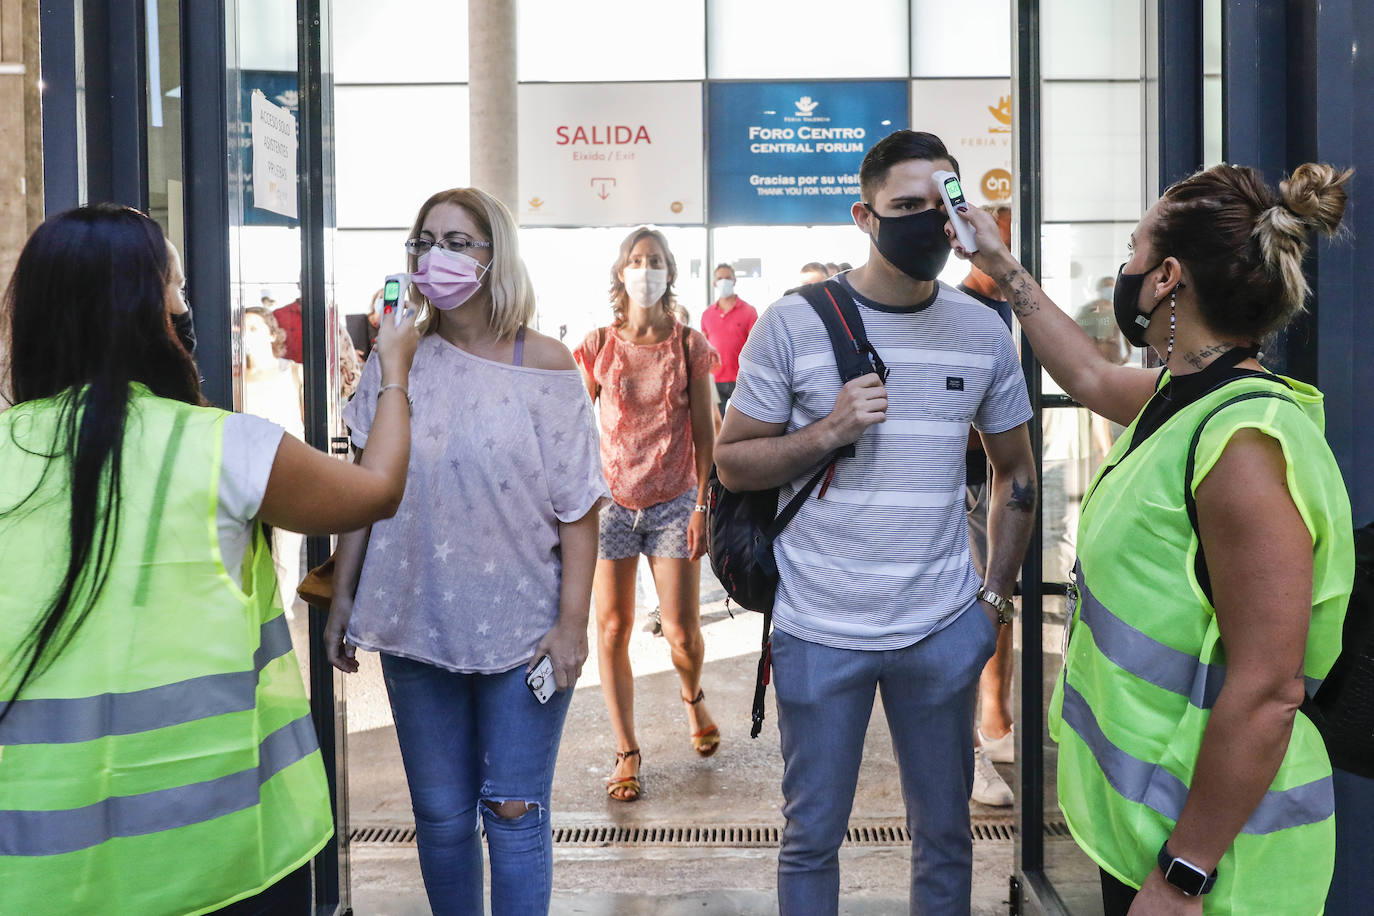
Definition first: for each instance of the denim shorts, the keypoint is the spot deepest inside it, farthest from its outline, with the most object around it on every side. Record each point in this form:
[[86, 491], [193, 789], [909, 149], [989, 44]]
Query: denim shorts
[[658, 531]]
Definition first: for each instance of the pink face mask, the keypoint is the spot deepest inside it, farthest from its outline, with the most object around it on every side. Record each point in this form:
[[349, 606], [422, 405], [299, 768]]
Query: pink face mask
[[447, 278]]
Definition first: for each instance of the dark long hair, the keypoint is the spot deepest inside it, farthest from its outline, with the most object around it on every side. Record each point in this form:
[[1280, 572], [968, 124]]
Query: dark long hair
[[86, 316]]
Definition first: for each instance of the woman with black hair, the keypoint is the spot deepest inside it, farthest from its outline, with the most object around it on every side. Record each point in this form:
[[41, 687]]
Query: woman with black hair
[[157, 749]]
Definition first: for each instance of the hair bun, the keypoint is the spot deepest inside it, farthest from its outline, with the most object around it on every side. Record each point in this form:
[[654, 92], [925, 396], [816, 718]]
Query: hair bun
[[1315, 193]]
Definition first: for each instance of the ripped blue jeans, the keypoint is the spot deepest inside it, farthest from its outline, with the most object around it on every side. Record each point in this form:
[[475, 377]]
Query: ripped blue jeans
[[470, 742]]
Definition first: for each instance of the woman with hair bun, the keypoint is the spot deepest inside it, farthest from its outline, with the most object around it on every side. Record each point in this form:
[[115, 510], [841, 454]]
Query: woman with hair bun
[[1215, 558]]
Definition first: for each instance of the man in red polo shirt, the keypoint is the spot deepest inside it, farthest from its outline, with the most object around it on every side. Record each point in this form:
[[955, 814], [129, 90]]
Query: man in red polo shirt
[[726, 325]]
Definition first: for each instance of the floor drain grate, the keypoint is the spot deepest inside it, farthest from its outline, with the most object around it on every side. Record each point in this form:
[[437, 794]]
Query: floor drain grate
[[889, 833]]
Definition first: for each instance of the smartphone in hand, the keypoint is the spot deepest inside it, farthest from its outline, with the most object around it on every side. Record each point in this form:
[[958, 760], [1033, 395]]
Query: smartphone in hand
[[540, 680]]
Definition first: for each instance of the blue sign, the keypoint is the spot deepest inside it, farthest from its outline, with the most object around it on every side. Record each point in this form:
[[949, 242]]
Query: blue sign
[[788, 154]]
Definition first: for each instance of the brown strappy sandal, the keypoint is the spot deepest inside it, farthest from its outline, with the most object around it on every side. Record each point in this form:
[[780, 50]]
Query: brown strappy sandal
[[628, 785], [705, 741]]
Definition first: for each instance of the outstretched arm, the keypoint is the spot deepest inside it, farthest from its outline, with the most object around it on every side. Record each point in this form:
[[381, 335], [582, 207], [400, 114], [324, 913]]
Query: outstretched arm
[[1067, 352]]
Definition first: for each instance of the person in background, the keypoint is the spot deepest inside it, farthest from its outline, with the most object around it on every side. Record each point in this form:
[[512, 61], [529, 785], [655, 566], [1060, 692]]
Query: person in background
[[814, 272], [486, 571], [159, 755], [726, 324], [844, 265], [1185, 772], [272, 390], [289, 319], [994, 737], [831, 268], [651, 375]]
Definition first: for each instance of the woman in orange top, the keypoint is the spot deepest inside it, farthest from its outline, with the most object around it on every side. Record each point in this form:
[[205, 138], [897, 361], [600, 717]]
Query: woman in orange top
[[651, 375]]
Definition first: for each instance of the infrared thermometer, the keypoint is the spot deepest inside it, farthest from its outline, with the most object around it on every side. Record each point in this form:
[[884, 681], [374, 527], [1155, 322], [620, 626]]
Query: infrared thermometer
[[393, 295], [953, 196]]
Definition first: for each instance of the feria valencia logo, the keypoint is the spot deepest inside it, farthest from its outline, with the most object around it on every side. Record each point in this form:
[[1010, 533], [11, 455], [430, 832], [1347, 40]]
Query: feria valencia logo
[[804, 110], [601, 135], [806, 105]]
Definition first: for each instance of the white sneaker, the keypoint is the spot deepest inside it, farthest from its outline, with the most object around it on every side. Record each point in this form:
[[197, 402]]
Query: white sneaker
[[1000, 750], [989, 788]]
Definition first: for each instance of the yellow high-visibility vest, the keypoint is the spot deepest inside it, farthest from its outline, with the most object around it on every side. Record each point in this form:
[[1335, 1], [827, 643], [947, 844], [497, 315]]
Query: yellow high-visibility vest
[[165, 762], [1145, 661]]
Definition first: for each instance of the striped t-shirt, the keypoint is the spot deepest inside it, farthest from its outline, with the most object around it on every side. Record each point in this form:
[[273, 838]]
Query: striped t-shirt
[[882, 560]]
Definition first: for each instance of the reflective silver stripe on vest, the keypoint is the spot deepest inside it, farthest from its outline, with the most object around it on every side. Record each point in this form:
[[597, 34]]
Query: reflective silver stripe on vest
[[1147, 658], [63, 721], [50, 833], [1155, 787]]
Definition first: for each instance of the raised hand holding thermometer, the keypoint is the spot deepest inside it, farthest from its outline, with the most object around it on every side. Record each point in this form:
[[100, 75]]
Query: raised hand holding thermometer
[[953, 196], [393, 295]]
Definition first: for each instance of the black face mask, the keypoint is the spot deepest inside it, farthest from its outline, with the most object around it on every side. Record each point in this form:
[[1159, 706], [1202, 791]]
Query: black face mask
[[1124, 298], [914, 244], [185, 330]]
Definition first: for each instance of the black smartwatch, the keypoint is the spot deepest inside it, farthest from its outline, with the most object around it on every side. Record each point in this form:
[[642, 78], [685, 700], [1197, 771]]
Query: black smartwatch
[[1184, 875]]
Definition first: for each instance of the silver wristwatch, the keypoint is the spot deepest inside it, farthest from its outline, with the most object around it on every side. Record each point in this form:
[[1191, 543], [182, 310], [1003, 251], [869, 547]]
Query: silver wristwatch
[[1003, 605]]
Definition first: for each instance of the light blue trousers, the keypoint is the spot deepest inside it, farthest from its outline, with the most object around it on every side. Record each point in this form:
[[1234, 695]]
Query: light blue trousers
[[825, 699], [473, 738]]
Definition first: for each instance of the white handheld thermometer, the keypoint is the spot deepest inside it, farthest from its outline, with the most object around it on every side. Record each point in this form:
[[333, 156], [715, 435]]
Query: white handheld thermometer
[[393, 295], [953, 196]]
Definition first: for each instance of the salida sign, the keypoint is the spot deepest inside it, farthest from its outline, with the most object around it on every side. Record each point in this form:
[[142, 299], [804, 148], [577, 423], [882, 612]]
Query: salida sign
[[610, 154], [789, 153]]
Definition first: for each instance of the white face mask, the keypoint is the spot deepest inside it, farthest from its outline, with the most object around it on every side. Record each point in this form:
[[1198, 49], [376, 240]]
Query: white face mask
[[725, 288], [645, 285]]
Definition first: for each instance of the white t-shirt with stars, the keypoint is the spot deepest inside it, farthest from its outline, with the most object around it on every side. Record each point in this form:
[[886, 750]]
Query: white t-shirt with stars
[[467, 575]]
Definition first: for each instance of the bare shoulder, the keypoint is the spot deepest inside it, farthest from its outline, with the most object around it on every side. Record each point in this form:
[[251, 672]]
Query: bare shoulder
[[543, 352]]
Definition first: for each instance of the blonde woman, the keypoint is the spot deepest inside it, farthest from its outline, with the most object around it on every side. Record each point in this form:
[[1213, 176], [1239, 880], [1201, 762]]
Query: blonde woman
[[487, 566], [652, 375]]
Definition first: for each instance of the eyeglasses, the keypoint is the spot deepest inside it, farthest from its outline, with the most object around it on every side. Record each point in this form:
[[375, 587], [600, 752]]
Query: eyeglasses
[[418, 247]]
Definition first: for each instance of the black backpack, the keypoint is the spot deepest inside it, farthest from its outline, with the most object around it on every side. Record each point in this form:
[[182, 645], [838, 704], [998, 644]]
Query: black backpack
[[1343, 706], [741, 527]]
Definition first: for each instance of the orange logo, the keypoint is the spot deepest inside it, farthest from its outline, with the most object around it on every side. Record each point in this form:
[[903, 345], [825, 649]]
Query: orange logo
[[996, 185], [1002, 115], [676, 206], [536, 203]]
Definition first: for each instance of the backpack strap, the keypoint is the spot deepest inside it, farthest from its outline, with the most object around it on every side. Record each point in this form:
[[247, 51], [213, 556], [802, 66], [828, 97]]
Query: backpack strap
[[1204, 579], [600, 345], [854, 355], [687, 356]]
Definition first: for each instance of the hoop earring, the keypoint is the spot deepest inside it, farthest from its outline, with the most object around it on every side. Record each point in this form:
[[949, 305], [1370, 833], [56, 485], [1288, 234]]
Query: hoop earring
[[1173, 320]]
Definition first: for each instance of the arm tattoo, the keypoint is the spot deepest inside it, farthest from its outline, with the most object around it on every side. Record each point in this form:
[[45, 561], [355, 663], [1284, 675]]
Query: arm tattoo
[[1022, 289], [1196, 359], [1022, 496]]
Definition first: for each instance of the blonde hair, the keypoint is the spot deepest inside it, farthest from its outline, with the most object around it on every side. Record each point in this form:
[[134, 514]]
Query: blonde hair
[[507, 281], [1244, 245], [617, 292]]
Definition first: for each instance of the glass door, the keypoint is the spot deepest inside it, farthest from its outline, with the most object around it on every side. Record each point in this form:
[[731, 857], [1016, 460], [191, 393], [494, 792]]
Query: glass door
[[1082, 102]]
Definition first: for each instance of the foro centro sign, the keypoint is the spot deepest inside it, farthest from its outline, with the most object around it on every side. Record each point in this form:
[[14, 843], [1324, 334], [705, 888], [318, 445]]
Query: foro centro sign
[[610, 154]]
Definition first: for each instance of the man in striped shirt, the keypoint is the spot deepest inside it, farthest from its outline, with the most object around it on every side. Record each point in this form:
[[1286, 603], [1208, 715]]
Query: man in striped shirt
[[877, 589]]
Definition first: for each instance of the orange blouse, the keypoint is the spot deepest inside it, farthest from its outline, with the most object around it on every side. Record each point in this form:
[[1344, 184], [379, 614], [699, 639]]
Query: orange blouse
[[646, 423]]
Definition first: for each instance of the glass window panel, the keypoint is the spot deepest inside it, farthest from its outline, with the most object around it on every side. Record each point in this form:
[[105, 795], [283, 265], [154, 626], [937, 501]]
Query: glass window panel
[[972, 38], [1092, 165], [791, 39], [164, 121], [570, 270], [266, 35], [363, 258], [1211, 83], [400, 42], [973, 118], [768, 259], [1090, 39], [612, 40], [382, 178]]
